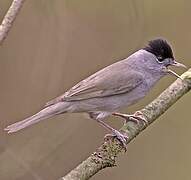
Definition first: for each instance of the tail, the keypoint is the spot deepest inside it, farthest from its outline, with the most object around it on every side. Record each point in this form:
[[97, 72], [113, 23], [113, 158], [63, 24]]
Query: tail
[[45, 113]]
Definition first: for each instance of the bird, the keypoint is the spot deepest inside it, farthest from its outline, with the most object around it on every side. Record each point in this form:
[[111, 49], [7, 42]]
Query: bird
[[118, 85]]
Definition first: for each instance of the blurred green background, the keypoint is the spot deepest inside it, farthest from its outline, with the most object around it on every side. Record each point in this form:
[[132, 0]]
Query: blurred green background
[[55, 44]]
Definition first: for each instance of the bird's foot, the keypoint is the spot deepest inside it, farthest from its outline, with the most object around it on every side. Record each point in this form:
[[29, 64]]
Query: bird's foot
[[120, 137], [137, 117]]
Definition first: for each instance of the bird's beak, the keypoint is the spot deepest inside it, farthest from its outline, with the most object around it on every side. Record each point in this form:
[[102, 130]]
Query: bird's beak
[[177, 64]]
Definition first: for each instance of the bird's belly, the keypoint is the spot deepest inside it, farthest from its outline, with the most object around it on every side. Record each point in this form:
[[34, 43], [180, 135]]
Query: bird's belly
[[128, 99], [109, 103]]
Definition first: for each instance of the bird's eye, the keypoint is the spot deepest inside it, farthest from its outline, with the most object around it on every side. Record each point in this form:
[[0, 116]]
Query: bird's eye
[[160, 58]]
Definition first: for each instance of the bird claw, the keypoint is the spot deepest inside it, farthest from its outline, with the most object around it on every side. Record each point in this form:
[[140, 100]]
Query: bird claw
[[120, 137], [140, 117], [137, 117]]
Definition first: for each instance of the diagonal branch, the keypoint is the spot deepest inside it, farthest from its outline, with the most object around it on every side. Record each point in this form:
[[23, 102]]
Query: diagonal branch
[[106, 154], [9, 19]]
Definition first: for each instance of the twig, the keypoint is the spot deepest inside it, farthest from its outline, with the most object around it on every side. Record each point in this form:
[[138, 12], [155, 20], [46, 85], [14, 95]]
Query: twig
[[9, 19], [106, 154]]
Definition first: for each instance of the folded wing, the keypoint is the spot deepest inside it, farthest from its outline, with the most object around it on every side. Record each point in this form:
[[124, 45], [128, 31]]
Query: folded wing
[[106, 82]]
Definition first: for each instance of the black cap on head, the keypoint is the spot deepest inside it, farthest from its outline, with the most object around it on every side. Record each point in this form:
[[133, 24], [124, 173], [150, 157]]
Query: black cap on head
[[160, 48]]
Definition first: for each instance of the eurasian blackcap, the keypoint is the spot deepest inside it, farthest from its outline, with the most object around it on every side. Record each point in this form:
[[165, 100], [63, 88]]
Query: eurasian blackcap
[[118, 85]]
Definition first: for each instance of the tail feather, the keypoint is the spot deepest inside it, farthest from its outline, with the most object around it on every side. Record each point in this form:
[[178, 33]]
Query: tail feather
[[43, 114]]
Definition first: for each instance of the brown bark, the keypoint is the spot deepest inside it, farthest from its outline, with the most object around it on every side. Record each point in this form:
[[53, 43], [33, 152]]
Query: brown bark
[[9, 19]]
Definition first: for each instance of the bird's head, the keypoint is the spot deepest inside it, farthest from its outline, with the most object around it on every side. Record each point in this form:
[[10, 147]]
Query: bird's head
[[164, 57]]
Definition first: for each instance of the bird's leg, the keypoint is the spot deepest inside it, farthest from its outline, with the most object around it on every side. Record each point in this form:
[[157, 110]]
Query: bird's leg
[[126, 117], [122, 138], [136, 117]]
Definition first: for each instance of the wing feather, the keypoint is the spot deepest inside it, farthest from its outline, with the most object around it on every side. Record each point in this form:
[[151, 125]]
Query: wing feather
[[112, 80]]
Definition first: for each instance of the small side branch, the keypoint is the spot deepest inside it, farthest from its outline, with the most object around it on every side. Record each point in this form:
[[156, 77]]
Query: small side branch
[[9, 18], [106, 154]]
